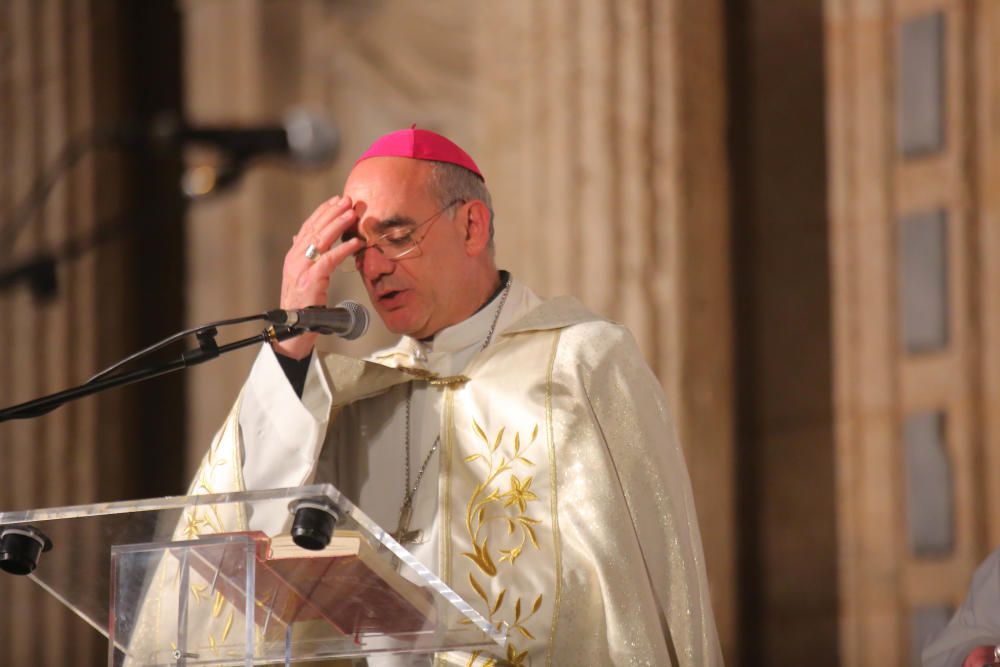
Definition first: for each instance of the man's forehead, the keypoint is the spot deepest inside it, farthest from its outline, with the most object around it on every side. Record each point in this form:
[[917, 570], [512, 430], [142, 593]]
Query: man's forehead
[[389, 186], [391, 173]]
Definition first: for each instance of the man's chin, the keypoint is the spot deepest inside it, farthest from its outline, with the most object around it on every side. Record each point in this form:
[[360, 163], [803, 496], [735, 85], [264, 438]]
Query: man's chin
[[403, 319], [399, 322]]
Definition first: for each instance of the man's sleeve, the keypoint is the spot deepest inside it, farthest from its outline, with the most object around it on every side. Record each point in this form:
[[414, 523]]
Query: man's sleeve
[[632, 412], [282, 434], [976, 623]]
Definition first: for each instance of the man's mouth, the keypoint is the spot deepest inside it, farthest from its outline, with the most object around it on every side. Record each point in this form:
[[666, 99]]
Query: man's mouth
[[390, 297]]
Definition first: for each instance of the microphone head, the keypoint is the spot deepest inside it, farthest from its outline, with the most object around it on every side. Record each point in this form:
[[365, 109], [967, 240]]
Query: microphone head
[[359, 319], [311, 138]]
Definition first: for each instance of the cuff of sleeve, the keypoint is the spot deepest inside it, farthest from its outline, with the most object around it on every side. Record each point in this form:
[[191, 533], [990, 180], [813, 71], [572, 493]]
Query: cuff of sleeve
[[282, 434], [316, 394]]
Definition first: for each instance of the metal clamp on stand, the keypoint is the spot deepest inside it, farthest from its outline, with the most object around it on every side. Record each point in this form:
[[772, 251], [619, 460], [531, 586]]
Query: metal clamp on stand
[[207, 347]]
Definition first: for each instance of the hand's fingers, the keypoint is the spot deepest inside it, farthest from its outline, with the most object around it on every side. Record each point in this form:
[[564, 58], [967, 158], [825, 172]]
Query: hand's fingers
[[319, 212], [331, 223], [327, 263], [331, 230], [303, 282], [325, 212], [296, 260]]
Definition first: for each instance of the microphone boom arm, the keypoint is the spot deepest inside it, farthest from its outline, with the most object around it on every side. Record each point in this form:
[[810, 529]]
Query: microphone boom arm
[[207, 349]]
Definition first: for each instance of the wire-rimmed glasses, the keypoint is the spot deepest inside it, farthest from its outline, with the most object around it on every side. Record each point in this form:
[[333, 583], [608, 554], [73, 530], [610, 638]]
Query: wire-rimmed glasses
[[398, 242]]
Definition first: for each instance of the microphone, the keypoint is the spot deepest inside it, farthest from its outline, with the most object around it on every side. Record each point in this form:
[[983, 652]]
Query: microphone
[[304, 137], [348, 319]]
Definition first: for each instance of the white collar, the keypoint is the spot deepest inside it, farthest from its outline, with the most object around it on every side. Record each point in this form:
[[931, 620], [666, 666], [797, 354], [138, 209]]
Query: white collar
[[455, 339]]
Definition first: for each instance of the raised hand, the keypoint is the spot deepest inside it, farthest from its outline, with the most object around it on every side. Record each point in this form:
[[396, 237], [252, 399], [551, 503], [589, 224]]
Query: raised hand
[[309, 262]]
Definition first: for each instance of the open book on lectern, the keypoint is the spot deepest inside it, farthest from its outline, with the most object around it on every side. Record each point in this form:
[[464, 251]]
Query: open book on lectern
[[347, 584]]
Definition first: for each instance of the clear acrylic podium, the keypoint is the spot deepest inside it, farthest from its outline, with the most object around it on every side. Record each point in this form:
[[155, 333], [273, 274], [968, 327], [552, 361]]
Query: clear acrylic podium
[[192, 580]]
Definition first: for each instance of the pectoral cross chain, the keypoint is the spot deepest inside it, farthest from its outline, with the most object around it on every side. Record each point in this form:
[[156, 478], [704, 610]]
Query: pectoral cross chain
[[403, 534]]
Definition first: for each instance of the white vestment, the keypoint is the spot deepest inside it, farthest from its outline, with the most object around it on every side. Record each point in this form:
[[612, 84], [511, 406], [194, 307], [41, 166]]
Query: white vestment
[[976, 623], [558, 501]]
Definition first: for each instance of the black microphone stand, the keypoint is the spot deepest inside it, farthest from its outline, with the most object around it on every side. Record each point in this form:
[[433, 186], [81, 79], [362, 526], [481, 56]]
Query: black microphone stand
[[207, 349]]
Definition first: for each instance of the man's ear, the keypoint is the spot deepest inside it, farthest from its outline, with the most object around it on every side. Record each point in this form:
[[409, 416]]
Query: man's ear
[[477, 228]]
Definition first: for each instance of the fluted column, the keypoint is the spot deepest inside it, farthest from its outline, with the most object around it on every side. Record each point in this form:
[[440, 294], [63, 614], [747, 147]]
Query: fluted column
[[50, 94]]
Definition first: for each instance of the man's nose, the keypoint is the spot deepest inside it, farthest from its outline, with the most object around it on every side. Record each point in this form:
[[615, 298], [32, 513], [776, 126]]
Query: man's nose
[[374, 264]]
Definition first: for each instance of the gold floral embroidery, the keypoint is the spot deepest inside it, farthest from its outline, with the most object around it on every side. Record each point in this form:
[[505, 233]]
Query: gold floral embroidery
[[201, 521], [217, 606], [202, 484], [491, 503], [216, 614], [519, 493], [198, 591], [193, 524], [198, 522], [228, 628]]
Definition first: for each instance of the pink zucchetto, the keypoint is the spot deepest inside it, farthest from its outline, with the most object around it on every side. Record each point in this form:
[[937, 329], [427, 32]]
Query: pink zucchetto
[[420, 145]]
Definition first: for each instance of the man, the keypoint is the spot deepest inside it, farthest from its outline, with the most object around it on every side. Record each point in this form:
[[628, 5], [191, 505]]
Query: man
[[528, 458], [972, 637]]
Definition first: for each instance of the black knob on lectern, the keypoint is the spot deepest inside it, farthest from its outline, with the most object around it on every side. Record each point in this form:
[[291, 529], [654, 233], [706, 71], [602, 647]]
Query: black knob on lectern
[[20, 547], [315, 519]]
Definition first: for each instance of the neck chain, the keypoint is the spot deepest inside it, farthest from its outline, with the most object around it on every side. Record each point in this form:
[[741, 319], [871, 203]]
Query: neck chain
[[403, 533]]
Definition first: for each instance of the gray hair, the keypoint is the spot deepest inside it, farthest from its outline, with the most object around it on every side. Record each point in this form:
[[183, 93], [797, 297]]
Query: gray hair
[[449, 182]]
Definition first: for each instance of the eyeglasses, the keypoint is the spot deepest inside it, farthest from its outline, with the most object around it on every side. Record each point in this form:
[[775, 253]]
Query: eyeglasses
[[398, 242]]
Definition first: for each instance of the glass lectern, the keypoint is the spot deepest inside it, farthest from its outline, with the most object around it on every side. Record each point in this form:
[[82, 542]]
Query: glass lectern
[[218, 580]]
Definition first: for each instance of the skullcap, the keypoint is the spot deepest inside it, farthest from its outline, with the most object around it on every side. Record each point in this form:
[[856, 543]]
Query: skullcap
[[420, 145]]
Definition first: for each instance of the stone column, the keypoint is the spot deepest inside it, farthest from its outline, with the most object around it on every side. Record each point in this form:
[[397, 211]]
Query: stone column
[[57, 81], [886, 176]]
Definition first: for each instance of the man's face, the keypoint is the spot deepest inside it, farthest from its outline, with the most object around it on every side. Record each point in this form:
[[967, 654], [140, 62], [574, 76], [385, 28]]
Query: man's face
[[421, 293]]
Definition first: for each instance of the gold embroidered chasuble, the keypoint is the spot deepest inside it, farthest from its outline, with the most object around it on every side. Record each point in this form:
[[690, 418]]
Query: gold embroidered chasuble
[[563, 497]]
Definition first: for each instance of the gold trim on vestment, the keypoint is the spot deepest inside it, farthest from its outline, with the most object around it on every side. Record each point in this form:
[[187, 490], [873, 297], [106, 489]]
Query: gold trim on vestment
[[554, 495], [444, 504], [432, 378]]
